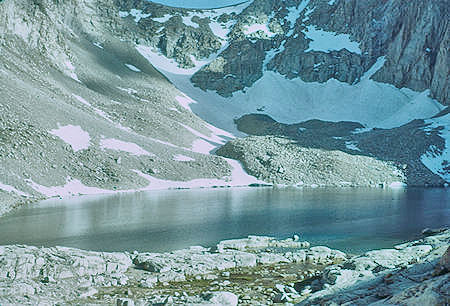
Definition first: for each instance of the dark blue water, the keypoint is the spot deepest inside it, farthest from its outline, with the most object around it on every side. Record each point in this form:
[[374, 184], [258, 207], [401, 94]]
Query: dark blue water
[[353, 220]]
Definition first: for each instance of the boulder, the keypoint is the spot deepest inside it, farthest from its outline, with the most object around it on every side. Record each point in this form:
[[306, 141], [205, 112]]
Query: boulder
[[221, 298], [444, 264], [124, 302]]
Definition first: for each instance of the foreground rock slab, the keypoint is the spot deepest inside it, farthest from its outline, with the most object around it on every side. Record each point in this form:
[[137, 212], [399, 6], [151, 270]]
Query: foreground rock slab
[[253, 270], [410, 274]]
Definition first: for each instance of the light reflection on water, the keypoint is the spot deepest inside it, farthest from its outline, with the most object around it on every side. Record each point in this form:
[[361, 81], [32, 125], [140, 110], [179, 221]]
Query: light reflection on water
[[353, 219]]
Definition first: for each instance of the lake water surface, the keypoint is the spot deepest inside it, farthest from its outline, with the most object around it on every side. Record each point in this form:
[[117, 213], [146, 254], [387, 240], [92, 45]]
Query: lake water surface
[[353, 219]]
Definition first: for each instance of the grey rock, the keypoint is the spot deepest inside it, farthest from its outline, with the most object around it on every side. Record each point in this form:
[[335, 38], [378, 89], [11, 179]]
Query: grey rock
[[281, 298], [221, 298], [124, 302], [431, 232], [444, 264], [394, 273]]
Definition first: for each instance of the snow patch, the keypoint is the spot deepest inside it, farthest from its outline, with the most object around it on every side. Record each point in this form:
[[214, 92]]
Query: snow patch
[[437, 160], [71, 188], [98, 45], [133, 68], [163, 19], [188, 21], [237, 178], [130, 91], [221, 30], [256, 28], [352, 145], [206, 144], [238, 175], [213, 138], [74, 136], [82, 100], [375, 67], [397, 185], [9, 188], [331, 2], [183, 158], [137, 14], [294, 13], [164, 63], [329, 41], [420, 103], [174, 109], [216, 131], [71, 71], [185, 101], [96, 110], [119, 145], [202, 146], [370, 103]]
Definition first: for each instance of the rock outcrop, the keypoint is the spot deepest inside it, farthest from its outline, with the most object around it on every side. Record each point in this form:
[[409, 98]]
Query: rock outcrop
[[403, 275], [252, 270], [61, 275]]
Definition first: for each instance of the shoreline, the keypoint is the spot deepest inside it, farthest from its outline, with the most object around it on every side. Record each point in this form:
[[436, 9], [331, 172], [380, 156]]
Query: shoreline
[[18, 201], [256, 269]]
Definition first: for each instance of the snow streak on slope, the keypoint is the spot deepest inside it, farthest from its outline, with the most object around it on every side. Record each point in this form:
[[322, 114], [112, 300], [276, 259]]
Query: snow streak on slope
[[437, 160], [257, 27], [163, 63], [329, 41], [74, 136], [119, 145], [9, 188], [237, 178]]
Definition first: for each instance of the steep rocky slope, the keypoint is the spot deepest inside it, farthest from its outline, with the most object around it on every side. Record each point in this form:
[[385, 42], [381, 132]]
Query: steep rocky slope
[[83, 109], [284, 161], [312, 152]]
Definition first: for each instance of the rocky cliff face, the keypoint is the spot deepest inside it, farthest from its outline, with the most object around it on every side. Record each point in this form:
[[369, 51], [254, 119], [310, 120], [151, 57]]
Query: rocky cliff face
[[315, 40], [413, 36]]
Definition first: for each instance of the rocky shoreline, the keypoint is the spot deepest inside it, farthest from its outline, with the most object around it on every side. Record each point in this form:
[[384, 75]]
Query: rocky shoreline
[[253, 270]]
